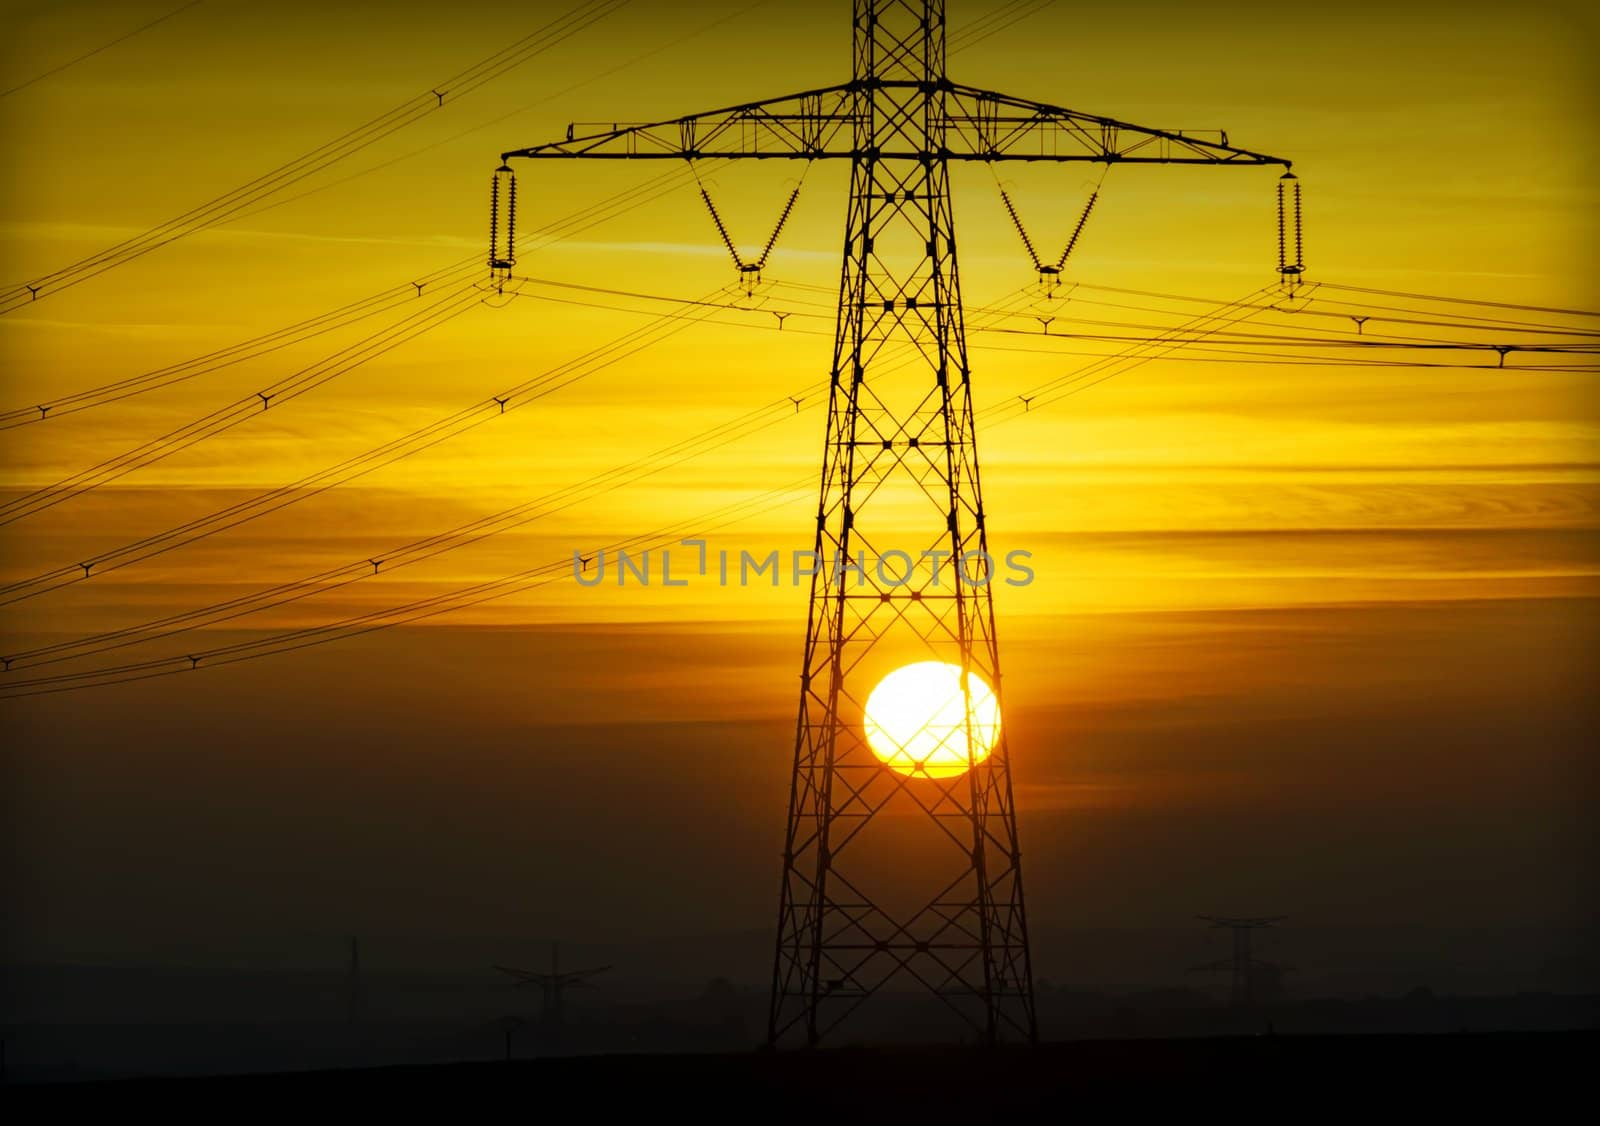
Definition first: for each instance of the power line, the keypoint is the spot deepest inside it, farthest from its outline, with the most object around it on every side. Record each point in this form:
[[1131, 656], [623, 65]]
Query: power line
[[397, 449], [229, 416], [429, 607], [429, 547], [1044, 395], [417, 610], [383, 301], [1351, 324], [456, 299], [1162, 336], [209, 214], [472, 532], [1311, 291], [123, 38], [1195, 332], [1055, 389], [478, 530], [1431, 318], [1201, 354], [1097, 372], [1464, 301], [591, 79], [1246, 338], [184, 370], [992, 23]]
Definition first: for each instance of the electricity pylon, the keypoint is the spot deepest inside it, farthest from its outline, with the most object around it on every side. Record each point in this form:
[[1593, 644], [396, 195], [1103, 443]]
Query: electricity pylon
[[900, 452], [1243, 965], [552, 988], [355, 996]]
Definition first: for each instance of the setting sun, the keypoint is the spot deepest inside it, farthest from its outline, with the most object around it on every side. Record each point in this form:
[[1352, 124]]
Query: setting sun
[[915, 720]]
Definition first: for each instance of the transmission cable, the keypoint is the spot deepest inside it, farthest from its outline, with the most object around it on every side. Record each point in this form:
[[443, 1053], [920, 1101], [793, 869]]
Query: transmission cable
[[417, 610], [479, 593], [482, 528], [659, 48], [654, 188], [992, 23], [123, 38], [397, 449], [454, 301], [215, 211]]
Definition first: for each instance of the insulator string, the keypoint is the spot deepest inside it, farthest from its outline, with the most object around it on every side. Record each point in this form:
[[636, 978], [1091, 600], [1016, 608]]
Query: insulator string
[[1289, 271], [1016, 221], [1048, 274], [1299, 257], [777, 230], [494, 217], [500, 264], [511, 222], [722, 230], [1282, 253], [1076, 231], [749, 269]]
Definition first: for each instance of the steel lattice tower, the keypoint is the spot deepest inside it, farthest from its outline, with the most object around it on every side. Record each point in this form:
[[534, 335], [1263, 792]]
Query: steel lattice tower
[[893, 878], [1243, 965]]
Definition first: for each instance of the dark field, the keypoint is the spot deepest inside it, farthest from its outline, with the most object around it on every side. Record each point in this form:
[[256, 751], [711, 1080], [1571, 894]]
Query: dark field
[[1295, 1075]]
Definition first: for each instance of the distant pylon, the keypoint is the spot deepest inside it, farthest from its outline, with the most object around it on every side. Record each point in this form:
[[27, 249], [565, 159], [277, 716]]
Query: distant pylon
[[354, 999], [896, 876], [1243, 965], [552, 988]]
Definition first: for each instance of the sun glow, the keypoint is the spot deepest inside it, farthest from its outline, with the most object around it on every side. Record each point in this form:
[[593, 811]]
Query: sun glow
[[916, 720]]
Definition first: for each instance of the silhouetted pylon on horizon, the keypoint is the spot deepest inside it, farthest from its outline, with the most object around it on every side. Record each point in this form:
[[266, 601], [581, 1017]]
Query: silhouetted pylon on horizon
[[1244, 967], [553, 987]]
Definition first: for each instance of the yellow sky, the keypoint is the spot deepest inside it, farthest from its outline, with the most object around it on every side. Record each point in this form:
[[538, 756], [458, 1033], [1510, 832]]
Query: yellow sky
[[1438, 156]]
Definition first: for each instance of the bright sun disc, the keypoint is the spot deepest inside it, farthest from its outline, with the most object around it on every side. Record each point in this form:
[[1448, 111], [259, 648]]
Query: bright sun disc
[[916, 720]]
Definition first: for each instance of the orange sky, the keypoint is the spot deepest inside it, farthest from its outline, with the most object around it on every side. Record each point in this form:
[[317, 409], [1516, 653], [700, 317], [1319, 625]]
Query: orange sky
[[1355, 592]]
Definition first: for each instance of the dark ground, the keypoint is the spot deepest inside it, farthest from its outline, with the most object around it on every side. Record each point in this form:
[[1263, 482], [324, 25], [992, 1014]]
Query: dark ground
[[1278, 1076], [410, 1023]]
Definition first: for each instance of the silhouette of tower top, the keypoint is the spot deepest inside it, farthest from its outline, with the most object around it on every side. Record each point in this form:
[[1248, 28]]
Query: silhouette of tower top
[[895, 880]]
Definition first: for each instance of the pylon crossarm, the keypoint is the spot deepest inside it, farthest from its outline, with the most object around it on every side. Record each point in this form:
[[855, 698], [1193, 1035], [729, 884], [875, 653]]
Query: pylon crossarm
[[819, 125], [986, 125], [813, 124]]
